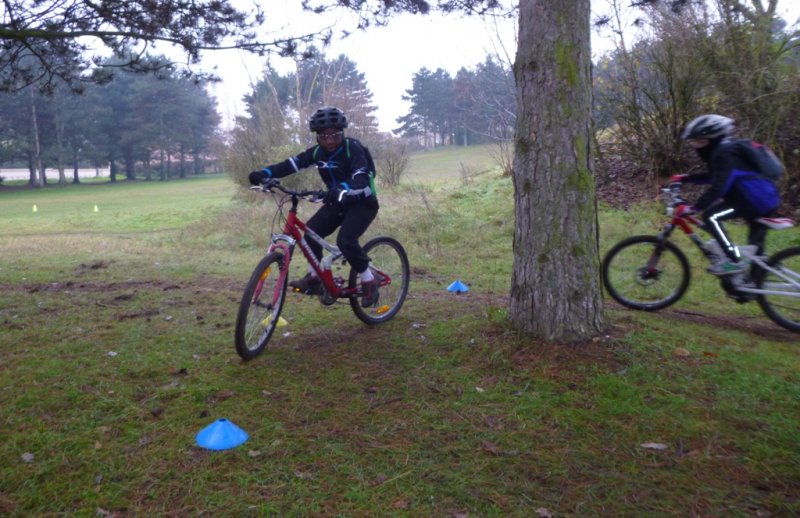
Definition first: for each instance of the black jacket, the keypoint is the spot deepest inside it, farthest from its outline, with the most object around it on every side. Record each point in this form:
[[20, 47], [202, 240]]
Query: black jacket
[[346, 167], [734, 179]]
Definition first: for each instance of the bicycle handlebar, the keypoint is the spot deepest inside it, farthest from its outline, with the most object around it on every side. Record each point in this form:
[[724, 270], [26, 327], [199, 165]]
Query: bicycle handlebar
[[269, 184], [672, 195]]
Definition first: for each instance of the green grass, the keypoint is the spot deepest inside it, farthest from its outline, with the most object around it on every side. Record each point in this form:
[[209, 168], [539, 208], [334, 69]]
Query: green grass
[[116, 331], [445, 164]]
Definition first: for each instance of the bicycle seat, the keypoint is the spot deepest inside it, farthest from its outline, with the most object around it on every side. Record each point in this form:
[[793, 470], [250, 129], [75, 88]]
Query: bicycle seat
[[776, 223]]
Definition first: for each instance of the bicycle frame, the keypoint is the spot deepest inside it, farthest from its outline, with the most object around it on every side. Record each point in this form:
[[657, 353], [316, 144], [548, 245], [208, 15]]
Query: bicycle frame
[[685, 224], [296, 232]]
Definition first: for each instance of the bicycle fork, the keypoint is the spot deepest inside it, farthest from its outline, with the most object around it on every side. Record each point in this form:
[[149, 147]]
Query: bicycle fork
[[285, 249]]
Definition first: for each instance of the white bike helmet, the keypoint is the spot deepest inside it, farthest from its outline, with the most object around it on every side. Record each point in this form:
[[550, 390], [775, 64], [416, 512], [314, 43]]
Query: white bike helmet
[[709, 126]]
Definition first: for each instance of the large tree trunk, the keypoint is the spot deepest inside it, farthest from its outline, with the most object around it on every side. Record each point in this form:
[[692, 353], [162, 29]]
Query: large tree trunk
[[555, 284]]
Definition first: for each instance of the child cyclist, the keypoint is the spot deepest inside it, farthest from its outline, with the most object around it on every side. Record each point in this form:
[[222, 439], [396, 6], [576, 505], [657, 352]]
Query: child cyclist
[[736, 189], [350, 203]]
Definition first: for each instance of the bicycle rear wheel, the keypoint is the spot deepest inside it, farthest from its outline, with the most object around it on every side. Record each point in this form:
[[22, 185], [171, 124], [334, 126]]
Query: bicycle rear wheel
[[261, 305], [389, 264], [783, 309], [645, 273]]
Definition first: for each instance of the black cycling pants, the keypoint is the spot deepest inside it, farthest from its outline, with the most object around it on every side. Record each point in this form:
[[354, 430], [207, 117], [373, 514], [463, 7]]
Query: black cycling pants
[[352, 221], [713, 217]]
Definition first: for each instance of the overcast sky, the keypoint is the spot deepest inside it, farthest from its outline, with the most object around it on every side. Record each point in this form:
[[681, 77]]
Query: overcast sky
[[388, 56]]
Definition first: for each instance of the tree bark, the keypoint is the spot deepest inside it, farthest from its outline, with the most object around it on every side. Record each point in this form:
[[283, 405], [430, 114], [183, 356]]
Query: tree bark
[[555, 285], [41, 180]]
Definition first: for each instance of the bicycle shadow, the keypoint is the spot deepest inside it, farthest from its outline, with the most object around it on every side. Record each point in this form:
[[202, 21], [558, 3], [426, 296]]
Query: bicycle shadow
[[759, 326]]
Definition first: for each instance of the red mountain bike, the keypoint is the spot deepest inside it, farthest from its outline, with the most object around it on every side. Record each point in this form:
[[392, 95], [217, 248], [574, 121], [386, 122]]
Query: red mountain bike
[[650, 272], [262, 302]]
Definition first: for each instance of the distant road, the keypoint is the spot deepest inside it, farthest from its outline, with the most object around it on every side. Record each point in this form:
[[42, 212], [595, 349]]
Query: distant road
[[52, 174]]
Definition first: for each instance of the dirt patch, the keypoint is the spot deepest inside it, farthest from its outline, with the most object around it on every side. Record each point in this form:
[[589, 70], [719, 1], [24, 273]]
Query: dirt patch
[[72, 286]]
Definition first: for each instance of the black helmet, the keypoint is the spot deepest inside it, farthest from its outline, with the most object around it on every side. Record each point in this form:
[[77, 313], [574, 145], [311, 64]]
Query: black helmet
[[327, 117], [709, 126]]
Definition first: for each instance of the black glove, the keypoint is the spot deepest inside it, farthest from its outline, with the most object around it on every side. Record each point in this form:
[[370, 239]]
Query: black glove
[[335, 197], [256, 177]]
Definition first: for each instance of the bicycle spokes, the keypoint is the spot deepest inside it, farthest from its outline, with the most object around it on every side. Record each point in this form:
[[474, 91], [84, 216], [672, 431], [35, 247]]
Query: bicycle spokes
[[260, 307]]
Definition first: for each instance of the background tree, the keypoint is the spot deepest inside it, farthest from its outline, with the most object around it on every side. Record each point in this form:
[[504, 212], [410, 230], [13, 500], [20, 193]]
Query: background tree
[[123, 122], [392, 159], [485, 101], [46, 43], [645, 93], [276, 124], [723, 56], [432, 112]]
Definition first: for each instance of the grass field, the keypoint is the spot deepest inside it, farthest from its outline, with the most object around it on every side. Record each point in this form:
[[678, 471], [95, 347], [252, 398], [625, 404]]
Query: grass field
[[116, 350]]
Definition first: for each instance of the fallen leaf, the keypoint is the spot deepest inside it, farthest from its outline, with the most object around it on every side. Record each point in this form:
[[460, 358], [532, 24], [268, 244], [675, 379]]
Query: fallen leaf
[[490, 447], [400, 504], [493, 422], [223, 395], [654, 446]]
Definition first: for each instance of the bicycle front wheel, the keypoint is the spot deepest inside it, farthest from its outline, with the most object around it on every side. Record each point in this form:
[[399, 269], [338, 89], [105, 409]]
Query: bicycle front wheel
[[783, 304], [389, 264], [260, 308], [645, 273]]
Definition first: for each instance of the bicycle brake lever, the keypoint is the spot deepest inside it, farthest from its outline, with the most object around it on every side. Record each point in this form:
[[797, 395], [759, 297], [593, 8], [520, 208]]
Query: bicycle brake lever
[[268, 184]]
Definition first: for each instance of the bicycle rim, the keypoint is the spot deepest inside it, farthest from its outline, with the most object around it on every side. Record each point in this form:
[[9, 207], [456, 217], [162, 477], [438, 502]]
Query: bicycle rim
[[784, 310], [389, 264], [260, 308], [645, 273]]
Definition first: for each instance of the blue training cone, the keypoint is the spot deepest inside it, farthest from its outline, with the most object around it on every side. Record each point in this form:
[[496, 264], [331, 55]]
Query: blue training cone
[[458, 287], [221, 435]]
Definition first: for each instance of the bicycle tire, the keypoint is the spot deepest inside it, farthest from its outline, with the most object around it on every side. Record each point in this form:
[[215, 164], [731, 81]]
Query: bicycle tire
[[629, 282], [783, 310], [387, 255], [260, 307]]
